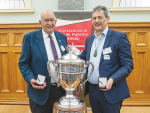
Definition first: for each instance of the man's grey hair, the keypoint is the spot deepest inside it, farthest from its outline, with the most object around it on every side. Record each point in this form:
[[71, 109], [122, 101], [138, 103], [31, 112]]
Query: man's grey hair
[[98, 8]]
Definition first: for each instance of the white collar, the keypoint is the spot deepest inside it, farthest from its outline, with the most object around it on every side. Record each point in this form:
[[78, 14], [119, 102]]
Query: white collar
[[45, 35]]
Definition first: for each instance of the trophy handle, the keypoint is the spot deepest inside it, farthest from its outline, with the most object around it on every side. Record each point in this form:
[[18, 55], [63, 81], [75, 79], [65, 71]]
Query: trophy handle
[[48, 68], [90, 73]]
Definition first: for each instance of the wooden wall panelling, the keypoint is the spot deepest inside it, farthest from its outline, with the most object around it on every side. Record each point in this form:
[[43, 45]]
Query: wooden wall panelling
[[19, 83], [17, 39], [148, 63], [131, 37], [4, 72], [139, 77], [130, 78], [141, 39], [4, 41], [11, 43], [13, 87], [140, 72]]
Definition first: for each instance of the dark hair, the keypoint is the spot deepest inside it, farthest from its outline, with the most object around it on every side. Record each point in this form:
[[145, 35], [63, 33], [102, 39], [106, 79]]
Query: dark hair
[[98, 8]]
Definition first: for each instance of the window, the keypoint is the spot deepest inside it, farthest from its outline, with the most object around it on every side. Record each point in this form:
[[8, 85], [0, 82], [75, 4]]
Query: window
[[11, 4], [130, 6], [15, 7], [134, 3]]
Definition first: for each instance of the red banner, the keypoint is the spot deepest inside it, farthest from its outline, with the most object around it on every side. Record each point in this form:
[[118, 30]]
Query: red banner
[[76, 33]]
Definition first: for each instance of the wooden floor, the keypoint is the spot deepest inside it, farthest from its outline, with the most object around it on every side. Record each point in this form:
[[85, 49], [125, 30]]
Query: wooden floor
[[26, 109]]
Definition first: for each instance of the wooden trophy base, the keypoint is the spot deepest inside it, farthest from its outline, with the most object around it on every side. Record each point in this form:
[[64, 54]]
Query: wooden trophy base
[[58, 109]]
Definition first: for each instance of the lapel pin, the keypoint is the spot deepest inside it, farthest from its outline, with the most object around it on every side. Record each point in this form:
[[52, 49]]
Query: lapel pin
[[59, 40]]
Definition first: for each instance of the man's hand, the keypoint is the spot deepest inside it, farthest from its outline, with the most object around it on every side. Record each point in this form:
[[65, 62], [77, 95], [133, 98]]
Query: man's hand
[[32, 81], [77, 91], [109, 84]]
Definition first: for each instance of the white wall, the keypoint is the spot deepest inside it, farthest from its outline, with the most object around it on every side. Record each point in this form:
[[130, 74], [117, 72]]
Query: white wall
[[40, 5], [90, 4]]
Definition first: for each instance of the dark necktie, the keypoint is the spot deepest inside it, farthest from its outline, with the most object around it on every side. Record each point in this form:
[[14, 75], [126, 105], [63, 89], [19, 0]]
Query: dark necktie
[[53, 48]]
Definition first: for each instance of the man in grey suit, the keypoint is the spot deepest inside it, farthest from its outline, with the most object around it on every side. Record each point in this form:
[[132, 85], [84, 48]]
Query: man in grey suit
[[38, 48]]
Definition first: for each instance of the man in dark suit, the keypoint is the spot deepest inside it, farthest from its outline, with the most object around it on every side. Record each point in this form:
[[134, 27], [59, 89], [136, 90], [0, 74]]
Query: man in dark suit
[[110, 52], [37, 49]]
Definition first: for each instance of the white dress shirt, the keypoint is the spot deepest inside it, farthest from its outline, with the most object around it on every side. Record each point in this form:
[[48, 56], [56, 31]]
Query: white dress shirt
[[50, 53]]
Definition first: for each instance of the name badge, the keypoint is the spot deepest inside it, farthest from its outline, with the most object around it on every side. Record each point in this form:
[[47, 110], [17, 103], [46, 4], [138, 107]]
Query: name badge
[[107, 50], [62, 48], [106, 57]]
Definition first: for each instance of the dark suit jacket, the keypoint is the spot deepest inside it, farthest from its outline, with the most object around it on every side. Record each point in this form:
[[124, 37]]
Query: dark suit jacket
[[33, 61], [118, 67]]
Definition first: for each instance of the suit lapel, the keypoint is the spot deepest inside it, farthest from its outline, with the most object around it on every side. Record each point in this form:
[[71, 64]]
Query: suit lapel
[[90, 42], [107, 41], [41, 45]]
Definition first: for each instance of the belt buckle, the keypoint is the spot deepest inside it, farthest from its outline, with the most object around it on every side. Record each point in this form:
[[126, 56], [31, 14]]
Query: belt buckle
[[56, 84]]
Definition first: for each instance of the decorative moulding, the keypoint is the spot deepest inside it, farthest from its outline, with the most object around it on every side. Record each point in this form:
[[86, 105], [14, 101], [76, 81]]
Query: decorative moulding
[[117, 9], [130, 9], [16, 11], [27, 10], [72, 12]]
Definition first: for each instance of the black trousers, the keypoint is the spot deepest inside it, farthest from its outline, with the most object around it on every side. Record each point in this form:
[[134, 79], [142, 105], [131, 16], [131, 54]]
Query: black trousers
[[55, 94]]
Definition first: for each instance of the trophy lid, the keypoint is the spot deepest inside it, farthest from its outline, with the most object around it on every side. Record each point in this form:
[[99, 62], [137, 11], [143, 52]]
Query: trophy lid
[[71, 57], [74, 49]]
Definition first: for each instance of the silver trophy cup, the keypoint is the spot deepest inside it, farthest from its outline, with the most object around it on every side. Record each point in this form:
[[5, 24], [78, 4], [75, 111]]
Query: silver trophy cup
[[70, 69]]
